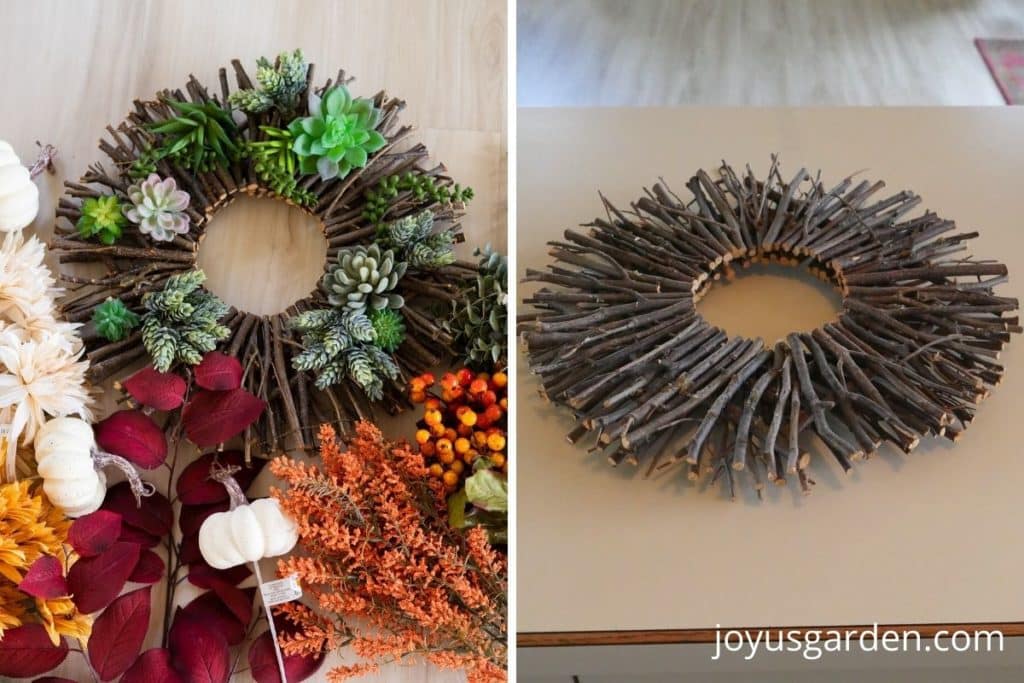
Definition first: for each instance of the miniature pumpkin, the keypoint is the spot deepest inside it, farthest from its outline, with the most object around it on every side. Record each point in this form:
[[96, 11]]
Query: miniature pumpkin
[[247, 534], [64, 459], [19, 196]]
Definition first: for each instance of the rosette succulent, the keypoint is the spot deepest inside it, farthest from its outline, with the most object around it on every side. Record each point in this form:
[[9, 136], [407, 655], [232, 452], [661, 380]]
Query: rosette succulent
[[101, 218], [364, 277], [113, 320], [158, 208], [338, 135]]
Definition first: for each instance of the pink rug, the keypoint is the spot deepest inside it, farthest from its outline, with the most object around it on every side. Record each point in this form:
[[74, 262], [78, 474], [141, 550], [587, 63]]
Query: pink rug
[[1005, 61]]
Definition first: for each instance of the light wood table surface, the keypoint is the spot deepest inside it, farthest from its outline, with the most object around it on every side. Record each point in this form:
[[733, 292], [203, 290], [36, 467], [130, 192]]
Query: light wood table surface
[[70, 68], [928, 538]]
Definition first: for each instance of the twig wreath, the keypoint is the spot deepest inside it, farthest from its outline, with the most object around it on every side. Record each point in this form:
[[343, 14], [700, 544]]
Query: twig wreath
[[390, 224], [619, 339]]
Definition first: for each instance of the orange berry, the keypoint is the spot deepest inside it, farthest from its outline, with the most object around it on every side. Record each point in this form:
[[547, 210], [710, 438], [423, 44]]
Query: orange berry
[[503, 403], [444, 445], [436, 470], [480, 439], [464, 430], [493, 413], [496, 442], [497, 459], [432, 403], [428, 378], [462, 445], [478, 386], [465, 376], [432, 417], [482, 420], [451, 478], [471, 455], [447, 457], [428, 448], [499, 379], [468, 418], [417, 396], [457, 467], [448, 379], [422, 436], [437, 429], [417, 384], [489, 398]]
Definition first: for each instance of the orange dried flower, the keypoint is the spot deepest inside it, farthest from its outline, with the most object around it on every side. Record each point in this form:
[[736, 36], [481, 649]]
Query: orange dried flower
[[386, 572]]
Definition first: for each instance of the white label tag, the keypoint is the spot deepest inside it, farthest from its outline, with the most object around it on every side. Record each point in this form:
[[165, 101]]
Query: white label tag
[[281, 590]]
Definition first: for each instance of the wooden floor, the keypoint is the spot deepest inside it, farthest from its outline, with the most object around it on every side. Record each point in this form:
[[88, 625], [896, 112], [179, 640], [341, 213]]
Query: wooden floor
[[759, 52]]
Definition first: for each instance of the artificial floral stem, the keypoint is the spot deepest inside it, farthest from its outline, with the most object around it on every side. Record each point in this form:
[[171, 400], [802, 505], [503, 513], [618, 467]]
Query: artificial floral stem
[[140, 489], [270, 623]]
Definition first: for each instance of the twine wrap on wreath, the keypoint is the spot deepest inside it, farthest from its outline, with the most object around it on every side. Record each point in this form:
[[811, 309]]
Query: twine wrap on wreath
[[619, 339], [264, 344]]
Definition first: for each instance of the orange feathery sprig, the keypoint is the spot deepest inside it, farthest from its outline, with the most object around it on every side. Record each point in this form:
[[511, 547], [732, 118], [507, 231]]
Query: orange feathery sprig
[[378, 552]]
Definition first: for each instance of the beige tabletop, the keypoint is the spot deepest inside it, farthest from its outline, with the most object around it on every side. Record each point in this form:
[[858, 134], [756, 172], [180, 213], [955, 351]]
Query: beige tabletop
[[70, 68], [930, 537]]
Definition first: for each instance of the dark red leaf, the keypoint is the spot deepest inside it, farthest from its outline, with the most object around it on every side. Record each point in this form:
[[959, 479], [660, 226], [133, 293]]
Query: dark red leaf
[[53, 679], [219, 372], [154, 516], [211, 611], [189, 551], [130, 534], [94, 533], [153, 666], [196, 488], [203, 575], [27, 651], [133, 435], [96, 581], [149, 569], [213, 417], [45, 578], [191, 517], [263, 663], [160, 390], [118, 633], [199, 653]]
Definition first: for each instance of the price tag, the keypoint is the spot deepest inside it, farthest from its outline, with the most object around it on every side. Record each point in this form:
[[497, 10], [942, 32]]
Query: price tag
[[281, 590]]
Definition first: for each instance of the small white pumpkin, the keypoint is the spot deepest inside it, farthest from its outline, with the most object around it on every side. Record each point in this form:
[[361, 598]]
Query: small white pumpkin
[[64, 459], [247, 534], [19, 196]]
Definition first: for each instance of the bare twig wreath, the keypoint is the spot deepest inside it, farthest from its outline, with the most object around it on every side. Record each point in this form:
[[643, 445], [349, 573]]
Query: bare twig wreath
[[389, 223], [619, 340]]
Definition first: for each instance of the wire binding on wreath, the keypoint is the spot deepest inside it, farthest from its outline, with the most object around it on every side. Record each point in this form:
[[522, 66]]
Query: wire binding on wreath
[[619, 339]]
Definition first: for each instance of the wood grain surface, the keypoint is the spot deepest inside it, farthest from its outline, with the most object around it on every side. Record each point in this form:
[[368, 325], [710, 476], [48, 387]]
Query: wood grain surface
[[70, 68]]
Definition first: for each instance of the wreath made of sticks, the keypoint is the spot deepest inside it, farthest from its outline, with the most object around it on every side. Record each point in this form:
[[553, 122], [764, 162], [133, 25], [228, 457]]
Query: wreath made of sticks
[[389, 222], [619, 339]]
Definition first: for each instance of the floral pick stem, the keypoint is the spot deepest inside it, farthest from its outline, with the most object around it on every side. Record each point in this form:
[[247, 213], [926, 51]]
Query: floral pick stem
[[44, 162]]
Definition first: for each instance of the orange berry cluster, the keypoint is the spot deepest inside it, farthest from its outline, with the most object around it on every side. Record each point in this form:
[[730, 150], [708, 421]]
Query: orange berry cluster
[[465, 421]]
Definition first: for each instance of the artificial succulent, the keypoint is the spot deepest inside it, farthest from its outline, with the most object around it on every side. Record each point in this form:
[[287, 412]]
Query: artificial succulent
[[113, 320], [275, 164], [200, 137], [279, 85], [339, 344], [479, 320], [364, 278], [180, 322], [413, 239], [101, 218], [338, 135], [388, 328], [158, 207], [423, 188]]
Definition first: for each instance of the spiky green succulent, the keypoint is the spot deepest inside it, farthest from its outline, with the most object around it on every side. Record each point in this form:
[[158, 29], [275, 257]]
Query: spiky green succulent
[[388, 328], [113, 320], [479, 320], [338, 135], [275, 164], [414, 240], [180, 322], [279, 85], [339, 345], [101, 218], [364, 278], [200, 138], [423, 188]]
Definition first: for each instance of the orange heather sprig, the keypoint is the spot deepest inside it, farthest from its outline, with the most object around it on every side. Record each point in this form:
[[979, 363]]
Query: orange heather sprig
[[379, 553]]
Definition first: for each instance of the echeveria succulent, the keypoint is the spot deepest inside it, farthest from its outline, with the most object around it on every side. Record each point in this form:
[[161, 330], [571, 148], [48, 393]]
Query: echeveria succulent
[[101, 218], [338, 135], [364, 277], [158, 207]]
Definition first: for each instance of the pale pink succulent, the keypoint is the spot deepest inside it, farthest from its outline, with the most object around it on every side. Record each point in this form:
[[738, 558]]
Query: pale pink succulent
[[158, 207]]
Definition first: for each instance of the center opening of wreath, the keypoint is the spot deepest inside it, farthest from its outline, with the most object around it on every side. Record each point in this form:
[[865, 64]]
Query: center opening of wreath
[[261, 255], [770, 301]]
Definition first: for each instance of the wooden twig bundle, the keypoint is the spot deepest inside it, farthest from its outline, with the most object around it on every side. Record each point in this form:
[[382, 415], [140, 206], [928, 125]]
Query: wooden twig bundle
[[619, 340], [264, 344]]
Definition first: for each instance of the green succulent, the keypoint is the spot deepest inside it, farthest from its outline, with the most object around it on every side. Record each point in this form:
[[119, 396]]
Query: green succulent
[[338, 135], [180, 322], [388, 328], [101, 218], [338, 345], [113, 320], [200, 138], [279, 85], [414, 240], [424, 188], [364, 277], [275, 164], [479, 320]]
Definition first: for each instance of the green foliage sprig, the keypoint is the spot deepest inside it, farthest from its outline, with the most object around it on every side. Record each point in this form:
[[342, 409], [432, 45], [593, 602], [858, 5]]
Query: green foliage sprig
[[275, 164], [423, 188], [200, 138], [413, 239], [479, 320], [279, 85], [101, 218], [113, 320], [180, 322], [338, 135]]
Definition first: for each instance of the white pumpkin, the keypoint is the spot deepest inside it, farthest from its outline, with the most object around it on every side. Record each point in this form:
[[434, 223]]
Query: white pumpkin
[[64, 459], [247, 534], [19, 196]]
